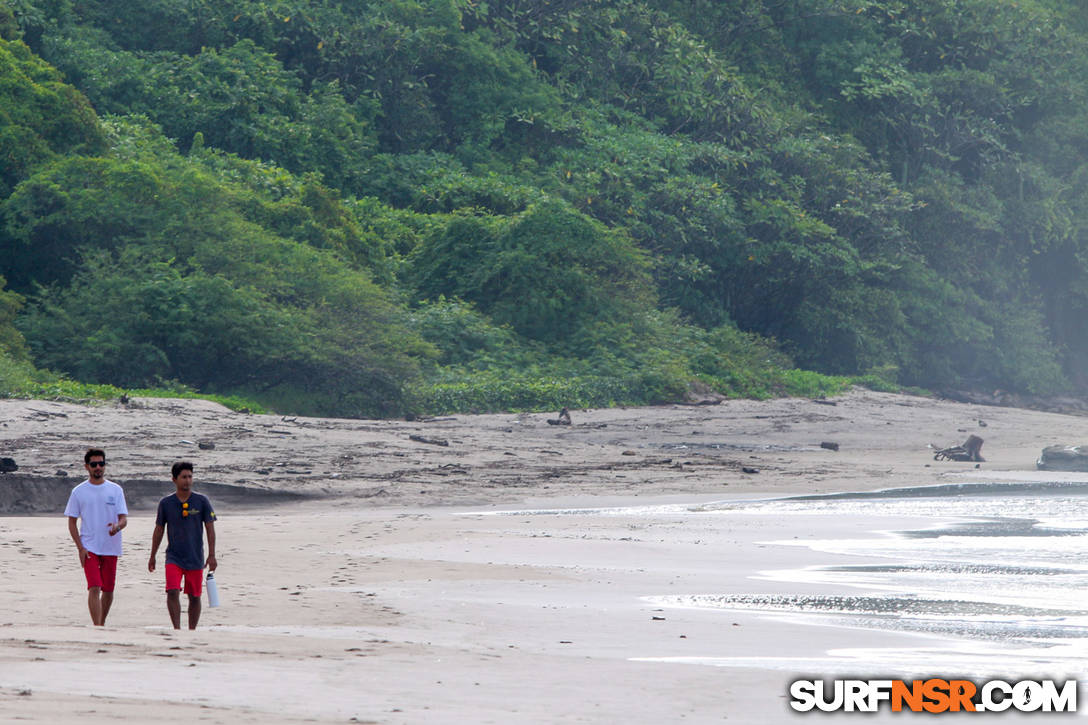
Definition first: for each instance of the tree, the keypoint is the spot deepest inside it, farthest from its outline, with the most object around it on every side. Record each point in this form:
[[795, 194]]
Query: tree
[[12, 344], [39, 115], [550, 273]]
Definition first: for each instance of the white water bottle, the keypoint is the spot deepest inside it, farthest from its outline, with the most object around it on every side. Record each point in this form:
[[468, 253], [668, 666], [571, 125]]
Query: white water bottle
[[213, 591]]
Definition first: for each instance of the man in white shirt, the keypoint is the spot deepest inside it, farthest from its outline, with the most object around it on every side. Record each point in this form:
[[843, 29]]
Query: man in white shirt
[[100, 503]]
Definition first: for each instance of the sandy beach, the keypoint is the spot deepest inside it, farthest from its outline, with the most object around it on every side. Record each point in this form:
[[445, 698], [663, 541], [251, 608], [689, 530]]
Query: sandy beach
[[478, 569]]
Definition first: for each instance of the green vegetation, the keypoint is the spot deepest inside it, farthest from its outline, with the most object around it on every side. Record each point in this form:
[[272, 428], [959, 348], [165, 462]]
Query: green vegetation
[[424, 206], [22, 381]]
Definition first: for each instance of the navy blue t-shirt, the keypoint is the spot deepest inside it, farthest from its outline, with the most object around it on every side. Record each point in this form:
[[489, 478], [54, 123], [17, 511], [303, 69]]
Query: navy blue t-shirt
[[185, 533]]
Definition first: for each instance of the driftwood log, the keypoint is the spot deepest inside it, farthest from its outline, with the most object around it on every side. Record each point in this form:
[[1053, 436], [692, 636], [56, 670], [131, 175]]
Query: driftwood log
[[432, 441], [563, 419], [969, 451]]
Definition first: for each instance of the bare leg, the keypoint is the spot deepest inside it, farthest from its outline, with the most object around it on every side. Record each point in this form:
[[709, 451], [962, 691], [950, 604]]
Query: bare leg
[[173, 605], [94, 603], [107, 602], [194, 611]]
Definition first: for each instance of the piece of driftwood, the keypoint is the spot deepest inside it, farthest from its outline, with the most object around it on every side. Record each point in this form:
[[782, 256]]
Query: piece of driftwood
[[969, 451], [432, 441], [563, 419]]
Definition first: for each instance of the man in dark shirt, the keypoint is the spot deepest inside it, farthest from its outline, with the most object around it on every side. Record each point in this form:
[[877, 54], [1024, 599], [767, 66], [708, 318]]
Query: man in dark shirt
[[182, 516]]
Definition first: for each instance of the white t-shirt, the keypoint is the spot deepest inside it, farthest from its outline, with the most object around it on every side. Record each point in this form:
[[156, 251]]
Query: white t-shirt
[[98, 505]]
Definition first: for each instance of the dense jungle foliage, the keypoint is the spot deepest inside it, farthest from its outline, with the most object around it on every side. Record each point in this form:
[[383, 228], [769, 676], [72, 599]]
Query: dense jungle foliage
[[393, 206]]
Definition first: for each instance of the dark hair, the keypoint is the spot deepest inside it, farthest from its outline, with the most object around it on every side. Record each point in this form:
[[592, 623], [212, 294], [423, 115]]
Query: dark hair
[[92, 452], [179, 467]]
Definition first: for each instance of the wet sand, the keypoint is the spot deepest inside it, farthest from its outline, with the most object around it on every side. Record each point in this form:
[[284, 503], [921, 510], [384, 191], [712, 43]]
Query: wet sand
[[393, 594]]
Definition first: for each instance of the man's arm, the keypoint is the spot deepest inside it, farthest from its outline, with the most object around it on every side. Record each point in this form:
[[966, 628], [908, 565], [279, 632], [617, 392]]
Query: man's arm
[[122, 522], [73, 531], [156, 539], [210, 528]]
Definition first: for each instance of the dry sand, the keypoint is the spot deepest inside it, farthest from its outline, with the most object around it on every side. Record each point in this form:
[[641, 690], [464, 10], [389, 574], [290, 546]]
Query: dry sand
[[365, 577]]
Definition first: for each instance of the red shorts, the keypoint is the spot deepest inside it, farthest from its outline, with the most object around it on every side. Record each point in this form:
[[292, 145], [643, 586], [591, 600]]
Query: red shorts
[[194, 578], [101, 571]]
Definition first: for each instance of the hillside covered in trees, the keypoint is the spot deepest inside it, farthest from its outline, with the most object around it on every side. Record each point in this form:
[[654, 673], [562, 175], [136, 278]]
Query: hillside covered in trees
[[391, 206]]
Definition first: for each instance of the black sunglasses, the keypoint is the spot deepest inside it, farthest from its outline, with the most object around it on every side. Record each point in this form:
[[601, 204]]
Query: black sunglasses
[[96, 464]]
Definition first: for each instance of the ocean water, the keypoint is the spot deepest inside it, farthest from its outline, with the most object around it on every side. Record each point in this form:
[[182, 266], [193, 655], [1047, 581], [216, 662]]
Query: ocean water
[[986, 579], [1000, 570]]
